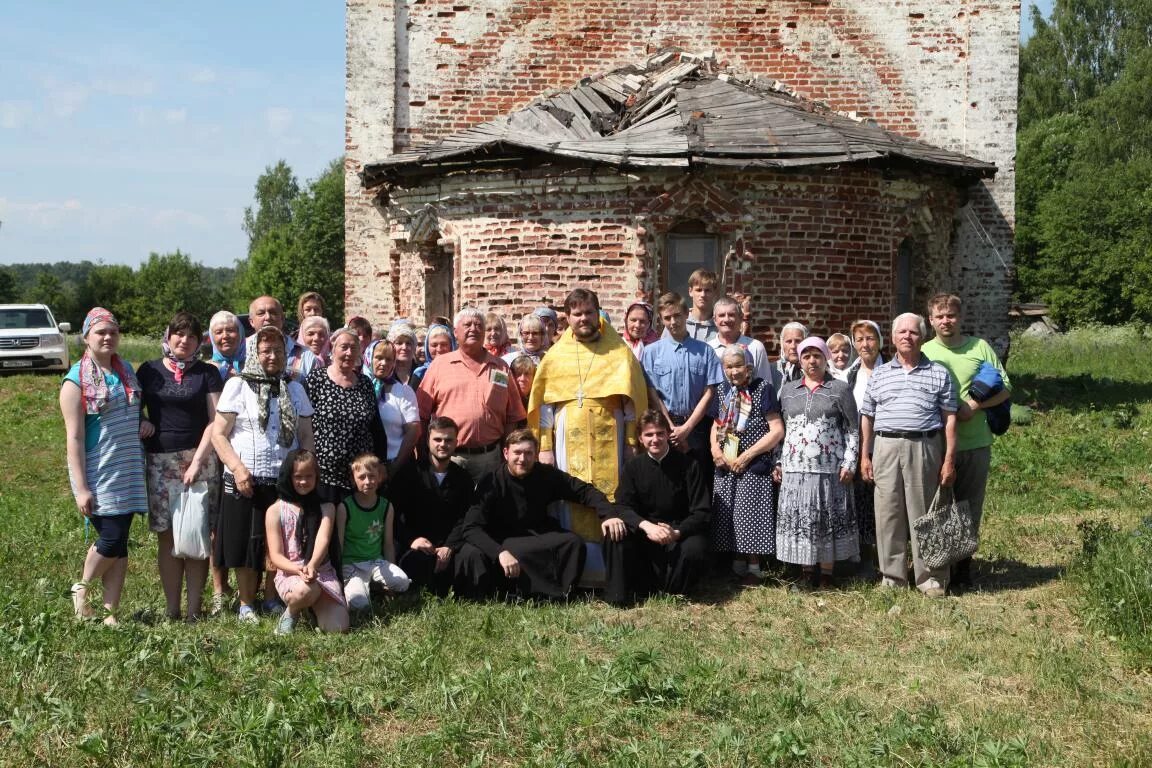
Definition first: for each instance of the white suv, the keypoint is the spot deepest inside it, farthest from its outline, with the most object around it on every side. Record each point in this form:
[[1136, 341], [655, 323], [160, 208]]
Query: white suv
[[30, 339]]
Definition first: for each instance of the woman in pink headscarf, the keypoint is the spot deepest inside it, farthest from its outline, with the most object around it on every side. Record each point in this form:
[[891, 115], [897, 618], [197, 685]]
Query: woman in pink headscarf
[[638, 331], [100, 402]]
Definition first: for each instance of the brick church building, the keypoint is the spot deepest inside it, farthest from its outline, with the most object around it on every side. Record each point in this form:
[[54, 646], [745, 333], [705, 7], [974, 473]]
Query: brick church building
[[829, 159]]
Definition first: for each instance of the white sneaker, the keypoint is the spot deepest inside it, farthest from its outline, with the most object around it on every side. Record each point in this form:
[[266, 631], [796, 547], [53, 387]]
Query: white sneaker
[[890, 583], [932, 588]]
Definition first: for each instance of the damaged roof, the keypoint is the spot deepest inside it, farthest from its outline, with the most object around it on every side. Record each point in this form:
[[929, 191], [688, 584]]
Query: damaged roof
[[676, 111]]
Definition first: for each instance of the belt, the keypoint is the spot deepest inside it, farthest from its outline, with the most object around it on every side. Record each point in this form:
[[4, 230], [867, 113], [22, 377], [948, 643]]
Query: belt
[[910, 435], [467, 451]]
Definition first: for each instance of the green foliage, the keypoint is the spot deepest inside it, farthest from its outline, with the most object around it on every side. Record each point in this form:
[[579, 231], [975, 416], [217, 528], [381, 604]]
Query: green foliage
[[276, 190], [164, 285], [49, 290], [1116, 582], [112, 286], [1084, 198], [8, 291], [1081, 50], [304, 251]]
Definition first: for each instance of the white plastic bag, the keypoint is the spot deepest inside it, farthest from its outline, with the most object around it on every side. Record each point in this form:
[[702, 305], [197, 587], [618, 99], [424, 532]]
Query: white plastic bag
[[189, 520]]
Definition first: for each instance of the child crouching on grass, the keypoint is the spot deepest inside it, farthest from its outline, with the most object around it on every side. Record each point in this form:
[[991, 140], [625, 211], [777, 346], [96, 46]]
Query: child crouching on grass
[[299, 530], [364, 526]]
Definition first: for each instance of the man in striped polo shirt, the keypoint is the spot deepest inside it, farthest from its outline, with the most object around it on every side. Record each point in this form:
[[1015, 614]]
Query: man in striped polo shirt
[[908, 428]]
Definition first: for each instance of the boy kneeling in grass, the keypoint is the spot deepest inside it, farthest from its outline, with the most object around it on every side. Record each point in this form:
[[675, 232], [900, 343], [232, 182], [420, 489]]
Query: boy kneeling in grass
[[364, 527]]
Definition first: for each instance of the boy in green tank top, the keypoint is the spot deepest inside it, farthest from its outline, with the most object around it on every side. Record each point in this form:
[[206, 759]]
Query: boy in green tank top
[[364, 525]]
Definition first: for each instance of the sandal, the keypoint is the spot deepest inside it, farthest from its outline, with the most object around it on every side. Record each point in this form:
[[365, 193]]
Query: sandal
[[80, 600]]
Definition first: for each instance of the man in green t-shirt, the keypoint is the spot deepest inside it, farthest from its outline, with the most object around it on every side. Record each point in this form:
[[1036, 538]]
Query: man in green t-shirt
[[962, 356]]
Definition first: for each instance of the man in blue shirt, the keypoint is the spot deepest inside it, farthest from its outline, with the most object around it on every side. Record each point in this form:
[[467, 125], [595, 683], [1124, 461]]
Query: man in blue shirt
[[682, 377]]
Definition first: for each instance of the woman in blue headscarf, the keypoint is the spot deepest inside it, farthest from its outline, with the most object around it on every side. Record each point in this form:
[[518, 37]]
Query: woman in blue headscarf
[[440, 339], [228, 346]]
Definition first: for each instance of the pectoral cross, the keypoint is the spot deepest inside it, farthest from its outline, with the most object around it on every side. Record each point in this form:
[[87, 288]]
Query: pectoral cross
[[580, 397]]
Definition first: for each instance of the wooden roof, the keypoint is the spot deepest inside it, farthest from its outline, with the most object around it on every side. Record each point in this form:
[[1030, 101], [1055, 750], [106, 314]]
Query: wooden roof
[[675, 111]]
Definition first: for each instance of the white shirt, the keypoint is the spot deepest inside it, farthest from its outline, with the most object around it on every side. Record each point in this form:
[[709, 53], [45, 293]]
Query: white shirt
[[397, 409], [258, 449]]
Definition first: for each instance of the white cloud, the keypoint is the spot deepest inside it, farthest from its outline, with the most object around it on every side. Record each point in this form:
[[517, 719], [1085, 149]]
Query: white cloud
[[278, 120], [134, 87], [71, 214], [170, 217], [176, 116], [14, 113], [203, 76], [64, 99]]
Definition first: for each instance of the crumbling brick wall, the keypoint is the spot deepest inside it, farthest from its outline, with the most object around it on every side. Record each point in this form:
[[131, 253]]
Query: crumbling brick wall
[[814, 246], [943, 71]]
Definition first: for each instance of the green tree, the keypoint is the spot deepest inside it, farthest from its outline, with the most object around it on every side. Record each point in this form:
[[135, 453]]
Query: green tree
[[48, 289], [8, 292], [276, 190], [307, 253], [1084, 219], [112, 286], [165, 285], [1082, 49]]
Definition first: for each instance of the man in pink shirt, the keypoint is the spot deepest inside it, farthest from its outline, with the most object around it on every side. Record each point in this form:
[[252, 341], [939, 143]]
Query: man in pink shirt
[[475, 389]]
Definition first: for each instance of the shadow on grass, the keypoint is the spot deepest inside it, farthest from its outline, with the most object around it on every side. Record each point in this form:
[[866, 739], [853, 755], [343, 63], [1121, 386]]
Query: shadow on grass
[[1007, 575], [1076, 393]]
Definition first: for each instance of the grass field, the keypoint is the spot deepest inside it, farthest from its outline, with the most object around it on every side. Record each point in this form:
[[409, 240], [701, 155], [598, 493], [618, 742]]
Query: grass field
[[1008, 675]]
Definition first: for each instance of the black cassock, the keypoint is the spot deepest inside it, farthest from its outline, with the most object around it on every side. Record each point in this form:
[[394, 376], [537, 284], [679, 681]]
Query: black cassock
[[434, 509], [512, 514], [671, 491]]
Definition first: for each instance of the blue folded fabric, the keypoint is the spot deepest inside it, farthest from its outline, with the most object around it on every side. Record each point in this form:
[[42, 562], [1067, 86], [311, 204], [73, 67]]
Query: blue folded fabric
[[986, 383]]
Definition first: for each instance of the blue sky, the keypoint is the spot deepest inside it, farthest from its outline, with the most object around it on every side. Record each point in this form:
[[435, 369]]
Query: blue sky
[[131, 127], [1045, 7]]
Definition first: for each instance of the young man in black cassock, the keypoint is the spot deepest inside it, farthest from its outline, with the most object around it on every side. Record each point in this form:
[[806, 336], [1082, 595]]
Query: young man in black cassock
[[512, 544], [666, 506], [431, 496]]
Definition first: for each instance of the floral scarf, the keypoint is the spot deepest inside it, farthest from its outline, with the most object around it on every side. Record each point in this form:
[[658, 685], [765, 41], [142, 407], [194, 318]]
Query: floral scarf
[[267, 387], [93, 385]]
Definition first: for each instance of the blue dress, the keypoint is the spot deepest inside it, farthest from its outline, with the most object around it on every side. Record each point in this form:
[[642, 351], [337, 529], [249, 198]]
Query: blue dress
[[113, 452], [743, 506]]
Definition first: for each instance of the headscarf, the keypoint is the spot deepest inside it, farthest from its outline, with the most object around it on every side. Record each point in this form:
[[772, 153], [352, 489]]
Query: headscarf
[[178, 365], [651, 337], [814, 342], [434, 329], [267, 387], [326, 351], [228, 365], [93, 387], [308, 527], [733, 413], [381, 386]]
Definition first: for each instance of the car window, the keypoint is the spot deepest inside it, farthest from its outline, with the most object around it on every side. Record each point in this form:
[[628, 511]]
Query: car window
[[24, 318]]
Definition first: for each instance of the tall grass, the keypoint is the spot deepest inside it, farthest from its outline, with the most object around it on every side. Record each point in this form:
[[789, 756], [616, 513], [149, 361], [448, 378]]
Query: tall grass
[[1114, 572]]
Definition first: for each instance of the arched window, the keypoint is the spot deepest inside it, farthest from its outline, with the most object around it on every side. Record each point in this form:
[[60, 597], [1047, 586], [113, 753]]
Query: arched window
[[688, 247]]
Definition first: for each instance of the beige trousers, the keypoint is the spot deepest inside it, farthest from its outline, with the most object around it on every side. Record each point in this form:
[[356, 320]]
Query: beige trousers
[[907, 474]]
